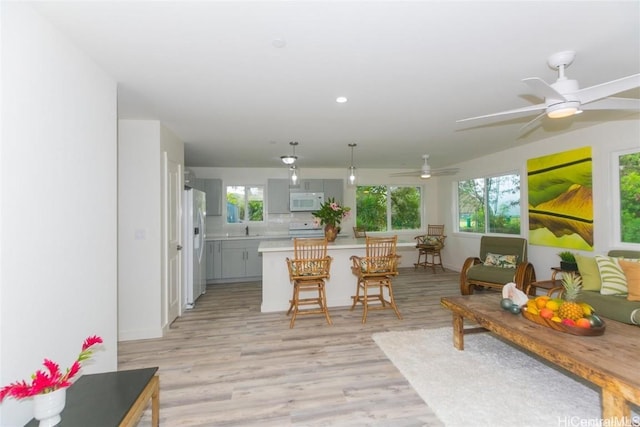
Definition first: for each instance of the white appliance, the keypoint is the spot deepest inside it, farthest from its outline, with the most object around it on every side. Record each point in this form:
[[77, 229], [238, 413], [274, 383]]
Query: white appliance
[[299, 202], [305, 229], [194, 259]]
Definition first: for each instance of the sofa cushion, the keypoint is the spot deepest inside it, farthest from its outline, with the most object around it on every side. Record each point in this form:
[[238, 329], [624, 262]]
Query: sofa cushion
[[613, 279], [613, 307], [490, 274], [632, 273], [588, 268], [498, 260]]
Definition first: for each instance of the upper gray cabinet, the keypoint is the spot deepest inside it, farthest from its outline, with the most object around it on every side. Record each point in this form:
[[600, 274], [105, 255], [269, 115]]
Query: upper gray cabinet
[[277, 196], [213, 188], [333, 188], [308, 186]]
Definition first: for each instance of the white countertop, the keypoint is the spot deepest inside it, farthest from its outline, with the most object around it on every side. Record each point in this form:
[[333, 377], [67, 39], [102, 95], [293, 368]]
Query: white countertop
[[340, 243]]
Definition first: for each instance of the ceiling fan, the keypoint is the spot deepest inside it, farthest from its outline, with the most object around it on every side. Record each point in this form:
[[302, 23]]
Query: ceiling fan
[[427, 171], [564, 98]]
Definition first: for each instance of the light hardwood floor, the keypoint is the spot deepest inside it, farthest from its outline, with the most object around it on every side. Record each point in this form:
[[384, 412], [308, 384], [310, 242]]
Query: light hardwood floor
[[225, 363]]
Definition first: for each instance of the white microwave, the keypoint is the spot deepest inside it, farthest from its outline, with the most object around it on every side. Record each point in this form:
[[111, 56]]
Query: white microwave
[[309, 202]]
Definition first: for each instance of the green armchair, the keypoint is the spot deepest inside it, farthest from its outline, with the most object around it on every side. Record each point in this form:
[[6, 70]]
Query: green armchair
[[502, 260]]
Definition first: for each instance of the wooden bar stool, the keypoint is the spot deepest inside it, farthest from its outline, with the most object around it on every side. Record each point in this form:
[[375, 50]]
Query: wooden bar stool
[[308, 271], [374, 272], [430, 245]]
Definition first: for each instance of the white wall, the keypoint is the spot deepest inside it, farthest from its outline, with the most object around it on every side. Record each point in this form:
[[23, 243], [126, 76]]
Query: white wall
[[57, 204], [139, 232], [141, 282], [604, 139]]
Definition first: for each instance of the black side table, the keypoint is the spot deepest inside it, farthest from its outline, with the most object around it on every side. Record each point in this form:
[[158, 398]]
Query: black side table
[[111, 399]]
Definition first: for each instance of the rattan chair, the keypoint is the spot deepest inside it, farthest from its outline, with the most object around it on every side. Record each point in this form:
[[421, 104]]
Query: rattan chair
[[308, 271], [375, 271], [430, 245]]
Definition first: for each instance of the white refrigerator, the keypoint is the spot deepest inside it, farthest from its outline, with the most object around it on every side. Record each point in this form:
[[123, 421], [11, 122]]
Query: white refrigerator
[[194, 259]]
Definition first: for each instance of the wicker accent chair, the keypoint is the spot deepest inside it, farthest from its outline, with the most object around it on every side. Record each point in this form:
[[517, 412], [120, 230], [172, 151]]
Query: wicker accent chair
[[308, 271], [375, 271], [430, 245], [481, 272]]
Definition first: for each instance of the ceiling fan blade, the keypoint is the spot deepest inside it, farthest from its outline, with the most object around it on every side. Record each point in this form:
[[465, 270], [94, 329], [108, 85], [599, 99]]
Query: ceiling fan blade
[[532, 124], [536, 107], [593, 93], [612, 103], [411, 173], [544, 89], [444, 171]]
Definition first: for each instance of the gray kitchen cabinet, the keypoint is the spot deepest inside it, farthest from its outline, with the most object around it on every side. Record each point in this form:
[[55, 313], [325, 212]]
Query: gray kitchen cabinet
[[277, 196], [240, 259], [213, 189], [214, 260], [333, 188], [308, 186]]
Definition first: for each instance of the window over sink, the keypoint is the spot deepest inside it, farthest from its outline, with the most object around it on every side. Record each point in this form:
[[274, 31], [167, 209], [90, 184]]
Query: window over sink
[[245, 203]]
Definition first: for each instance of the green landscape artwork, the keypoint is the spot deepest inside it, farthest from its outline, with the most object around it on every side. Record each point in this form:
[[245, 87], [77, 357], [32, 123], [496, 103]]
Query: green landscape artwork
[[560, 200]]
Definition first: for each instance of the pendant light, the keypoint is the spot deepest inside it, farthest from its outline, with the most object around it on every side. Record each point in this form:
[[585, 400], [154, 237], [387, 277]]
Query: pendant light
[[351, 177], [290, 159], [293, 175]]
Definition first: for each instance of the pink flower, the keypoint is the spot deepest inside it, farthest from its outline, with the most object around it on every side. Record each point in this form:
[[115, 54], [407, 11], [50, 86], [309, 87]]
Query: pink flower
[[52, 379]]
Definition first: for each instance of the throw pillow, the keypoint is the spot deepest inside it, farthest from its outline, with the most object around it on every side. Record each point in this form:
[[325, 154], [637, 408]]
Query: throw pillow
[[588, 268], [632, 273], [613, 279], [503, 261]]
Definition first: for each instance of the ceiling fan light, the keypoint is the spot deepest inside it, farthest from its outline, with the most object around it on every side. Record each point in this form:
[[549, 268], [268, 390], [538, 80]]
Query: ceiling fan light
[[288, 160], [425, 174], [564, 109]]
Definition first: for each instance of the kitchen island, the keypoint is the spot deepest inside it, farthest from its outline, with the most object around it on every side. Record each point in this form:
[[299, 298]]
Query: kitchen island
[[277, 289]]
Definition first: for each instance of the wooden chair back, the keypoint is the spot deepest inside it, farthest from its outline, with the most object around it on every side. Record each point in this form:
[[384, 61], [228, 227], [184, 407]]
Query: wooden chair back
[[435, 230], [309, 248], [311, 261], [381, 246]]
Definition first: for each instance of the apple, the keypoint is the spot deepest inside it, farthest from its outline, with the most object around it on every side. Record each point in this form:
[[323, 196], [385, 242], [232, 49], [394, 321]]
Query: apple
[[546, 313], [568, 322]]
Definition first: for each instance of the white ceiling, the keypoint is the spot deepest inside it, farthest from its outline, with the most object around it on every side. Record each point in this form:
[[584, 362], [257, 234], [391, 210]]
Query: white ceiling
[[211, 73]]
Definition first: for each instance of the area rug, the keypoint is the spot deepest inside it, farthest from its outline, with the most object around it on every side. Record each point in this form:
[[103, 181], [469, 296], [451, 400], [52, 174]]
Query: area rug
[[490, 383]]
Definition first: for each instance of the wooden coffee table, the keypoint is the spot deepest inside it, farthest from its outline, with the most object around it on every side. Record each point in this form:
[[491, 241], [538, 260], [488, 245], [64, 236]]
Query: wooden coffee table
[[609, 361]]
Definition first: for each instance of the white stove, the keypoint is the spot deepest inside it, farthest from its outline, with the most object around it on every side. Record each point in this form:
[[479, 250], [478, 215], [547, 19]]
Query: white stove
[[305, 229]]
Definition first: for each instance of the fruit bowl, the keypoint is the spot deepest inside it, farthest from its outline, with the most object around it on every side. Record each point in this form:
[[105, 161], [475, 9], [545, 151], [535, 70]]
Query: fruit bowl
[[573, 330]]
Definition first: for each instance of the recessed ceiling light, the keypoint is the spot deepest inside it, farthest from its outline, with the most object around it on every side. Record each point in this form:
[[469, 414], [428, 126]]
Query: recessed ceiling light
[[341, 99]]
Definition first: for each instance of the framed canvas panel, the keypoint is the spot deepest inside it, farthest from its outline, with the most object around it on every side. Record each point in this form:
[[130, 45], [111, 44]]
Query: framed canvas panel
[[561, 200]]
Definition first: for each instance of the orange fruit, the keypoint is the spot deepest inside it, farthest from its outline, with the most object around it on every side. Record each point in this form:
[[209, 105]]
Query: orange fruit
[[541, 301], [583, 323]]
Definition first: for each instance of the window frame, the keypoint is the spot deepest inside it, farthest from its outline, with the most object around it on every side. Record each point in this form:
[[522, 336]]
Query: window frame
[[487, 218], [615, 191], [245, 220], [388, 214]]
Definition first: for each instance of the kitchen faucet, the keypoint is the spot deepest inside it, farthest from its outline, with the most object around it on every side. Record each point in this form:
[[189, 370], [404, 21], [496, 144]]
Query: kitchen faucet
[[246, 230]]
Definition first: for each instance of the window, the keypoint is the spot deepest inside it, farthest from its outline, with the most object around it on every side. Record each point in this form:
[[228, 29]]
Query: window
[[384, 208], [489, 205], [628, 195], [245, 204]]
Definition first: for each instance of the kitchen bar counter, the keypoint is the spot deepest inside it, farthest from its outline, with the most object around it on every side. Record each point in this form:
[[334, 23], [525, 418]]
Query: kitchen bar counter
[[277, 289]]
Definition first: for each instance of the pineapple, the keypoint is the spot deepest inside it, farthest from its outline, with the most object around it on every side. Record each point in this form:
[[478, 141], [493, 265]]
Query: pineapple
[[570, 309]]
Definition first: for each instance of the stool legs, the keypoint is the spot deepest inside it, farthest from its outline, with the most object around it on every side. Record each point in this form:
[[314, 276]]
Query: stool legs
[[320, 301], [381, 284]]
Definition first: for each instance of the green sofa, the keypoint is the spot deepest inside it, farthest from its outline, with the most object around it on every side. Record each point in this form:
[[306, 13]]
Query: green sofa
[[609, 306]]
